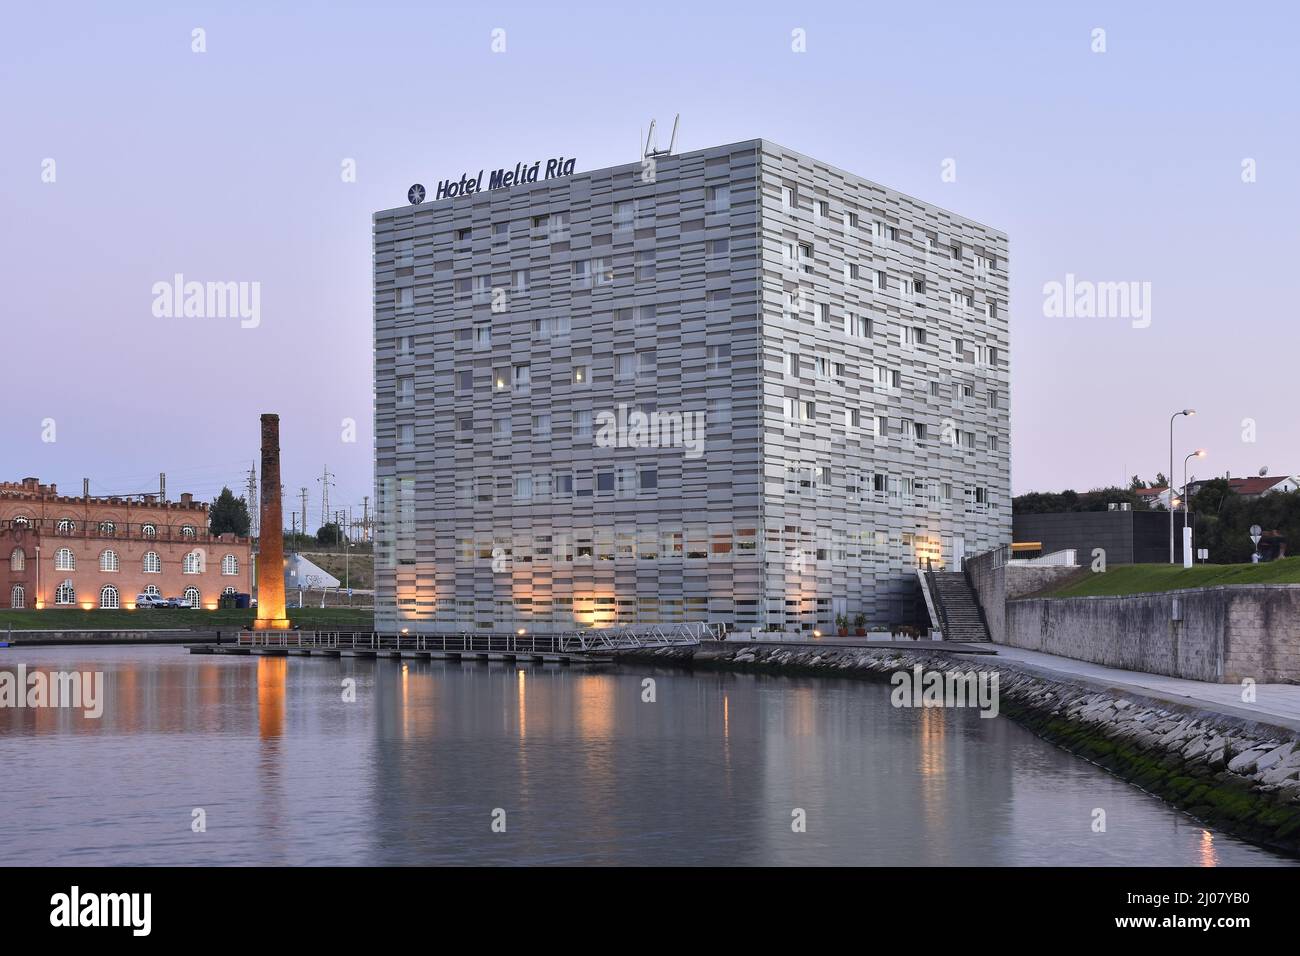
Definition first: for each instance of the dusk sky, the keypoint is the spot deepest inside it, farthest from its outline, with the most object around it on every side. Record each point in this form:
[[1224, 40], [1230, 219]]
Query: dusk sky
[[226, 166]]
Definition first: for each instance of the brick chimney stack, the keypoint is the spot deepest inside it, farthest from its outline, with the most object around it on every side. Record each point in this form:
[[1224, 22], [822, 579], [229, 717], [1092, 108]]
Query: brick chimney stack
[[270, 542]]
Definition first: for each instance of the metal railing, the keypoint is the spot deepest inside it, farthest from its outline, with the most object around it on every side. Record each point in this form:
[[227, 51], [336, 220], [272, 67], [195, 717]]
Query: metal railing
[[591, 641]]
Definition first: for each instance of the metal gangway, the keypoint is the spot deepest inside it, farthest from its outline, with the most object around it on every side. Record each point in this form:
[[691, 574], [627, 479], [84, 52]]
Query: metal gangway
[[582, 643]]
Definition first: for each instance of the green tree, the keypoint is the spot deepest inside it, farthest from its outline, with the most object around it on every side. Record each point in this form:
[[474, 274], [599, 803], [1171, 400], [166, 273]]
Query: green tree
[[329, 534], [228, 514]]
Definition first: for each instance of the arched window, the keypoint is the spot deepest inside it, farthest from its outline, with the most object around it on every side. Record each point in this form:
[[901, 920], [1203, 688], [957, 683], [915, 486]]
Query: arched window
[[65, 593], [107, 529], [108, 560], [152, 589], [22, 521], [152, 563], [66, 526], [17, 597], [149, 530], [228, 591], [108, 597], [187, 531], [229, 565], [192, 597], [18, 560], [193, 563], [64, 561]]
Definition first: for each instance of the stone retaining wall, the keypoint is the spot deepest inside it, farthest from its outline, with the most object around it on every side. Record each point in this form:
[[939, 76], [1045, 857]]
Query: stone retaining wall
[[1240, 775]]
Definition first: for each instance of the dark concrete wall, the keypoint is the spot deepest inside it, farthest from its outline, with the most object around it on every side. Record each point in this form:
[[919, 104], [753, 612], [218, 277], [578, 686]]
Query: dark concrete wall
[[1128, 537]]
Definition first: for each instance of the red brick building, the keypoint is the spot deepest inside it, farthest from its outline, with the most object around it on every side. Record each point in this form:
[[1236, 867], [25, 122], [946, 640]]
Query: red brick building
[[65, 551]]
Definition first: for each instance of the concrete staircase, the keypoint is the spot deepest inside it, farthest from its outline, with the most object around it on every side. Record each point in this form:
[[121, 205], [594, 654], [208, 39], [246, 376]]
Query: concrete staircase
[[959, 609]]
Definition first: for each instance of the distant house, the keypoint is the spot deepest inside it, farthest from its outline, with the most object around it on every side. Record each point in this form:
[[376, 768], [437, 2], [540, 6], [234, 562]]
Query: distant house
[[1254, 487], [1154, 497]]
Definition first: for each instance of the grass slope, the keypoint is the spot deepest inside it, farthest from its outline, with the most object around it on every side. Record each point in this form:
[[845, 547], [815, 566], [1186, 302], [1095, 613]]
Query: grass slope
[[1140, 578]]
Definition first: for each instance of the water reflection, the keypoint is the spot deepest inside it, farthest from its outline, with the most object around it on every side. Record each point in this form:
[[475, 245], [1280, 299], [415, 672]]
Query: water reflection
[[289, 771]]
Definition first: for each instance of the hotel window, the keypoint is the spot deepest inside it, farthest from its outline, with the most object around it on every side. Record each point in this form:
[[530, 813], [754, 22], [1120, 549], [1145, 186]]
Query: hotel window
[[523, 278], [789, 198], [718, 199], [983, 263], [990, 309], [192, 563], [806, 256], [65, 594], [648, 479], [542, 427], [464, 427], [965, 394], [882, 426], [719, 358], [465, 380], [934, 390], [405, 390], [579, 376], [718, 247], [502, 427], [850, 222], [557, 227], [792, 363], [463, 238], [564, 485], [644, 316], [405, 346], [994, 444], [963, 301], [501, 231], [857, 325], [152, 563], [18, 560], [582, 423], [406, 438], [822, 210], [191, 597], [879, 483], [888, 378], [956, 251], [645, 265], [604, 481], [913, 336], [524, 488], [482, 286], [850, 272], [230, 565], [822, 368], [108, 560], [521, 377], [918, 431], [552, 328], [881, 281], [918, 287], [404, 299], [625, 365], [823, 313], [799, 410], [404, 255], [852, 418], [624, 213], [719, 411], [64, 560]]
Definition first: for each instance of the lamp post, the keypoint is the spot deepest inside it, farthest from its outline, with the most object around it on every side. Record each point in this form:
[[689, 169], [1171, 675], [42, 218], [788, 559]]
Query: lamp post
[[1185, 411], [1187, 538]]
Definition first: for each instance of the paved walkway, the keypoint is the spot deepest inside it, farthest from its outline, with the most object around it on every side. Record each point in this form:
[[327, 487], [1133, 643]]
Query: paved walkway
[[1274, 703]]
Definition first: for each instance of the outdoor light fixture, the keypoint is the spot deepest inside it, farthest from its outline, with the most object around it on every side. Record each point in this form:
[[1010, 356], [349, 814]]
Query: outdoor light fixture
[[1170, 477]]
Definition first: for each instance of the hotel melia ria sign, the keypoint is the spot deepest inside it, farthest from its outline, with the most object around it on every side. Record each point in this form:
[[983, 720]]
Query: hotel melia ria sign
[[497, 179]]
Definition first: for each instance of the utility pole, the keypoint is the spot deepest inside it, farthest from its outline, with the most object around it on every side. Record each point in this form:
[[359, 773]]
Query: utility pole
[[326, 479], [365, 518], [254, 512], [304, 512]]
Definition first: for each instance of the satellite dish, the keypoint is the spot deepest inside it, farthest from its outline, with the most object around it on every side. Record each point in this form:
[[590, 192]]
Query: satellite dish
[[1263, 471], [415, 195]]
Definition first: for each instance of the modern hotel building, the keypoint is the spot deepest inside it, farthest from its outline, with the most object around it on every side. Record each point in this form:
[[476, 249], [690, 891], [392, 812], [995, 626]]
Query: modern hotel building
[[846, 345]]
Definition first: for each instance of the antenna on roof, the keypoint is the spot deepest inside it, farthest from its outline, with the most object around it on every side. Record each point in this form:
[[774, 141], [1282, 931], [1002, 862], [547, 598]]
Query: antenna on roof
[[651, 146]]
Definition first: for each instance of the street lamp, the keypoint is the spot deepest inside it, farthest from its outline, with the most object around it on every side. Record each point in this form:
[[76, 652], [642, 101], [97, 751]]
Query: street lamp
[[1187, 497], [1185, 411]]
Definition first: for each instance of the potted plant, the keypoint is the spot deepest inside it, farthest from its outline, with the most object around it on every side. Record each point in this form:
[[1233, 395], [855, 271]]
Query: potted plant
[[860, 624], [842, 625]]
